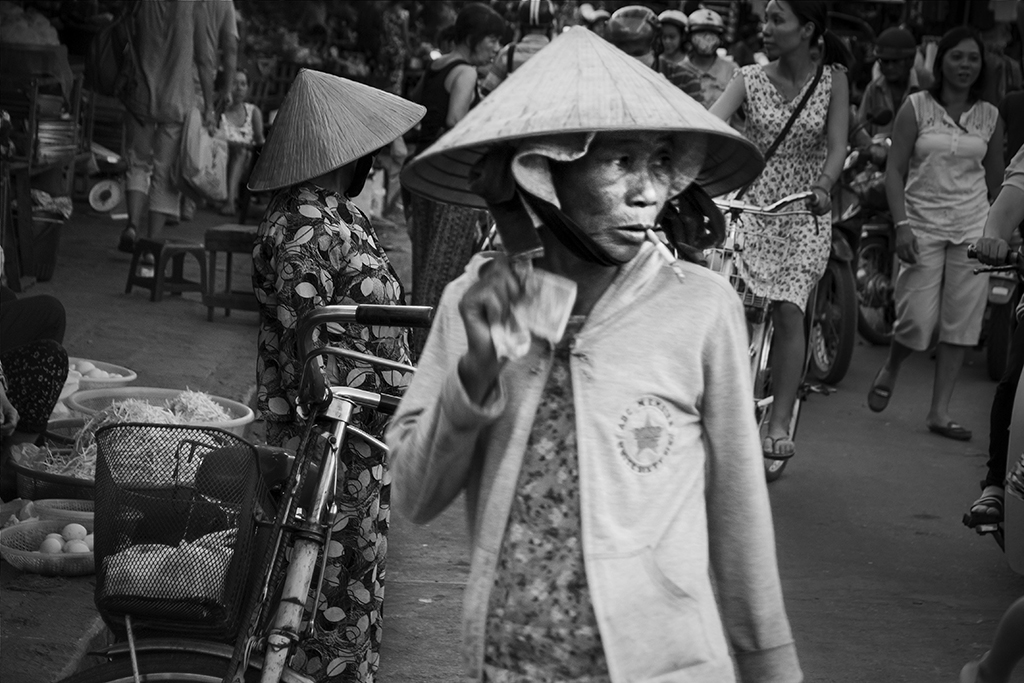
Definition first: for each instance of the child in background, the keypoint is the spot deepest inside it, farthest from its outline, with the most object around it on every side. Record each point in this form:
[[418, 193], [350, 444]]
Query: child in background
[[241, 124], [673, 36]]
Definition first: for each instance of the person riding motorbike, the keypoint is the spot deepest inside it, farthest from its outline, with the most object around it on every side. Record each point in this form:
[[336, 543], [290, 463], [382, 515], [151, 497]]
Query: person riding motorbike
[[1006, 214], [706, 34], [536, 25], [895, 50], [673, 36], [634, 30]]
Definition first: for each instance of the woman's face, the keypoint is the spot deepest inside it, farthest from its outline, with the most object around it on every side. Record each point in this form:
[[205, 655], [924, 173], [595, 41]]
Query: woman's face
[[961, 66], [671, 39], [485, 51], [782, 30], [616, 191], [240, 88]]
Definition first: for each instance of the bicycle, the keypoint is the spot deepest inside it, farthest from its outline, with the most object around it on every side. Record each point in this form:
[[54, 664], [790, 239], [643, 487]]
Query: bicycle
[[272, 604], [731, 262]]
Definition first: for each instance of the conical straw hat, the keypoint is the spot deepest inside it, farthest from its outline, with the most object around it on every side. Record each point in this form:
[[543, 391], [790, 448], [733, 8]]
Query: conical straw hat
[[580, 83], [326, 122]]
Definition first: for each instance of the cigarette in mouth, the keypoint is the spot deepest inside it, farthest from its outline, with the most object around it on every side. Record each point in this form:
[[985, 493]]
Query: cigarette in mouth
[[660, 246]]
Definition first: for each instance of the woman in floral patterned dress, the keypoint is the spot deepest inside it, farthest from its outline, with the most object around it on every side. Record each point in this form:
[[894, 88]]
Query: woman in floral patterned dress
[[315, 248], [810, 157]]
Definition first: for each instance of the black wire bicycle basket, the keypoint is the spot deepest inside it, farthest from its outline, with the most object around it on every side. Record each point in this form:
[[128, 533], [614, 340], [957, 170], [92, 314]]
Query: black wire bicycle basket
[[177, 527]]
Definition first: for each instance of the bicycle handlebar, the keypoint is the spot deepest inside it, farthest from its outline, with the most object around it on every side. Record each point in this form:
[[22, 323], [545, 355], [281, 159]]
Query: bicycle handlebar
[[363, 314], [735, 206]]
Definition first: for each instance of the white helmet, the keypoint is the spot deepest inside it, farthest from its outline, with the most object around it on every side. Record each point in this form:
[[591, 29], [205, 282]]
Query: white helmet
[[706, 20], [674, 17]]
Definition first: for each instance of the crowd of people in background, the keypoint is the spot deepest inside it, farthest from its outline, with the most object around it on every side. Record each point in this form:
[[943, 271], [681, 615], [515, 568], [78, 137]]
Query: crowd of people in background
[[786, 82]]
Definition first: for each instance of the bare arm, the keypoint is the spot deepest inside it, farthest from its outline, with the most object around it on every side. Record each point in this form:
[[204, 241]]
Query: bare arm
[[732, 99], [257, 127], [904, 135], [993, 161], [461, 84], [205, 61], [838, 127]]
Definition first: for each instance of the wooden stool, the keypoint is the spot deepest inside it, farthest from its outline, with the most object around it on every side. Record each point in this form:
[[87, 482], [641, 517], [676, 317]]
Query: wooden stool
[[230, 238], [164, 251]]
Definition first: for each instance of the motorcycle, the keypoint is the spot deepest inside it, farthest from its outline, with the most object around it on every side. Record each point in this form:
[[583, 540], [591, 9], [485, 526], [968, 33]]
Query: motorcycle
[[1000, 320], [835, 317], [864, 211]]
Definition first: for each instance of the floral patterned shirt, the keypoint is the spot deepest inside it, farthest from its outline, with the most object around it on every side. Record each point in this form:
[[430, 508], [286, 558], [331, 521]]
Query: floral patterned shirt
[[541, 626], [315, 248]]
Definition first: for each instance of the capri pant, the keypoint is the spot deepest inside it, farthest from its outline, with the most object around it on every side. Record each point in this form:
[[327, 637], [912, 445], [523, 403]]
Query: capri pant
[[940, 292], [153, 163]]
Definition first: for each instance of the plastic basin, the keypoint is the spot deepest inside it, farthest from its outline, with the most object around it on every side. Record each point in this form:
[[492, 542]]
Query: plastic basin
[[92, 401], [124, 375]]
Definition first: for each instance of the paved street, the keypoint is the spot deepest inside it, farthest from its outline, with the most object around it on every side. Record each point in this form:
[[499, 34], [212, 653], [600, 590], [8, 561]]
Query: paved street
[[882, 582]]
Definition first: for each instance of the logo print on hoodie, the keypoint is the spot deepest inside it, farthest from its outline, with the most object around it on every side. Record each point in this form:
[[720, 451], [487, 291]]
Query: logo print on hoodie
[[645, 434]]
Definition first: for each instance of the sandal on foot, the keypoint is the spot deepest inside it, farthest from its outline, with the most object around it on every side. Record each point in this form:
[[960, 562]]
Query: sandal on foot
[[991, 498], [951, 430], [879, 395], [127, 241], [770, 448]]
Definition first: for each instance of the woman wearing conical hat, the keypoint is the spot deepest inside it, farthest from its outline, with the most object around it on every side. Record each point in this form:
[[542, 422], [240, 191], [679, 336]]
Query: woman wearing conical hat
[[315, 248], [590, 395]]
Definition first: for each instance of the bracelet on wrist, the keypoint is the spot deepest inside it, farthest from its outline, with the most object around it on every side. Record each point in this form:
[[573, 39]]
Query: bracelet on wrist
[[904, 222], [822, 188]]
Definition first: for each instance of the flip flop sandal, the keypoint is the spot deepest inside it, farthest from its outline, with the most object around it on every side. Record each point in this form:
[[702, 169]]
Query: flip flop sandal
[[127, 241], [770, 448], [992, 501], [879, 395], [951, 430]]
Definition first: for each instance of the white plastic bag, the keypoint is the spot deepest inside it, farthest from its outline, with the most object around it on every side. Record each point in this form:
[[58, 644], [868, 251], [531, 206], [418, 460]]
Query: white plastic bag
[[204, 160]]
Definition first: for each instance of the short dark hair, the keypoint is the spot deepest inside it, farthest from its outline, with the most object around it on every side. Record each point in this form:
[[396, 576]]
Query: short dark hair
[[475, 22], [951, 39]]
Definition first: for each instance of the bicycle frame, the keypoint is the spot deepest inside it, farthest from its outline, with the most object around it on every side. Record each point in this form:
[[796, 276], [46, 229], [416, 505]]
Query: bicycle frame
[[309, 525]]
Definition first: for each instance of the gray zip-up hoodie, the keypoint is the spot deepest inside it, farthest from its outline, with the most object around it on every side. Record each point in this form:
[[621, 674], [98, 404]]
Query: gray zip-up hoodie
[[674, 506]]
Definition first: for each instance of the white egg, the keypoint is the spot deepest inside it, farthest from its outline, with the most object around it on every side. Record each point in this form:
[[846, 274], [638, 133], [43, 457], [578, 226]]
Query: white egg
[[84, 366]]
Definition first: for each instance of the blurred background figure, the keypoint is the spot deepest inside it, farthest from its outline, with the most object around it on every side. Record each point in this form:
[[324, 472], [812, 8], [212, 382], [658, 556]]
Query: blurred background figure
[[595, 19], [444, 236], [673, 36], [241, 124], [706, 32], [634, 29], [536, 19]]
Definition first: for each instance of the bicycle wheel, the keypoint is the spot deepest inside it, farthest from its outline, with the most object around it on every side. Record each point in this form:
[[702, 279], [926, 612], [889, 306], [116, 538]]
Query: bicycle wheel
[[167, 667], [876, 310], [761, 340], [833, 326]]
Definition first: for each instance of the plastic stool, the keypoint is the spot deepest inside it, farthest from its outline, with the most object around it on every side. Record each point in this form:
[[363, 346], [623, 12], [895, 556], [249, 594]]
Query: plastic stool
[[164, 251], [230, 238]]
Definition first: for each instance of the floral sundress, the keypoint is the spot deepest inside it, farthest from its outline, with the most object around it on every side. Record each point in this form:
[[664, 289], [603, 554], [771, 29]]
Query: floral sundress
[[315, 248], [789, 254]]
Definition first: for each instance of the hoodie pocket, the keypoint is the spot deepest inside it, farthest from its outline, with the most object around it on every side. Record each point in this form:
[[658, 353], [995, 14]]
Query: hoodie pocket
[[651, 626]]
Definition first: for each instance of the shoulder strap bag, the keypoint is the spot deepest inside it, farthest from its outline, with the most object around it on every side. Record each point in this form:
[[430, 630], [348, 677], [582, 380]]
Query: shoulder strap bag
[[789, 124]]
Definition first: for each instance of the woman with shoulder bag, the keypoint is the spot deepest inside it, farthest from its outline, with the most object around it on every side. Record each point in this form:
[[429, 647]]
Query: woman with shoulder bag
[[797, 112]]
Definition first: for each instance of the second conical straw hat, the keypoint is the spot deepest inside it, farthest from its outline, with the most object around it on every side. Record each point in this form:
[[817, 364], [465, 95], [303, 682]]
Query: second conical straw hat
[[581, 83], [326, 122]]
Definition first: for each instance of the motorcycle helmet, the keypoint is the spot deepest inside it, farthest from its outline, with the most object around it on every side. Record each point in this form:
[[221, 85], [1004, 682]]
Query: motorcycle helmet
[[675, 18], [536, 13], [706, 20], [633, 29]]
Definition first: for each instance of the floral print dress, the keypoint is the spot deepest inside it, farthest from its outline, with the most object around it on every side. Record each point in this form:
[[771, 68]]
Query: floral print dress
[[541, 626], [315, 248], [786, 256]]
